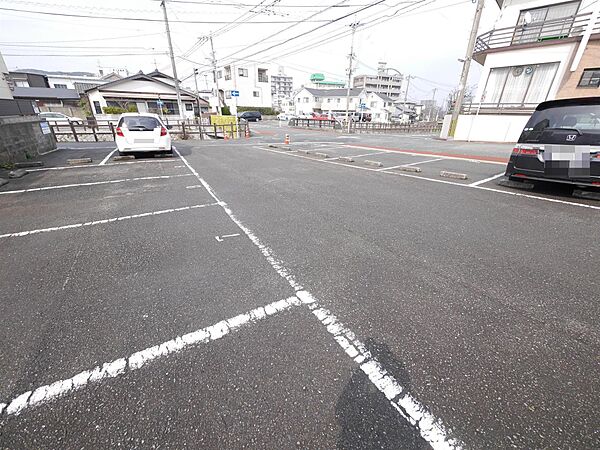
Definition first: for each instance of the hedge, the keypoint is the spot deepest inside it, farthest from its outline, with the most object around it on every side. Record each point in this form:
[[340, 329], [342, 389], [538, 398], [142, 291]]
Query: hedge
[[263, 111]]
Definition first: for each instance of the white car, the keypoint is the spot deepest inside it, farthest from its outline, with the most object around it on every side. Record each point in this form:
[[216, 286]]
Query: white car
[[284, 116], [142, 132], [60, 118]]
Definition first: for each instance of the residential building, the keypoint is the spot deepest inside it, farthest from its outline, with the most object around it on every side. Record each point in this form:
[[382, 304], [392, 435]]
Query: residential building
[[318, 81], [379, 106], [252, 82], [384, 82], [430, 110], [538, 50], [331, 101], [153, 93], [407, 111], [281, 88]]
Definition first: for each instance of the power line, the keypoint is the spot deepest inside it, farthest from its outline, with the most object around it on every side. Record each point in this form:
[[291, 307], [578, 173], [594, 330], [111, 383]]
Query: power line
[[85, 40], [219, 3], [84, 56], [140, 19]]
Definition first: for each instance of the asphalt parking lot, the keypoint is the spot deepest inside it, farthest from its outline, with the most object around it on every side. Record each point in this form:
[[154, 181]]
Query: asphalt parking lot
[[252, 294]]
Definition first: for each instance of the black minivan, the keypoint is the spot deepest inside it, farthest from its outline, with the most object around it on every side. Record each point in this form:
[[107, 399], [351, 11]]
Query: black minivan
[[560, 143], [251, 116]]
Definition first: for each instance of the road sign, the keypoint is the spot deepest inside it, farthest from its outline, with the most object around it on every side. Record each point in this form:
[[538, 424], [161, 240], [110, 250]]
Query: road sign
[[235, 93]]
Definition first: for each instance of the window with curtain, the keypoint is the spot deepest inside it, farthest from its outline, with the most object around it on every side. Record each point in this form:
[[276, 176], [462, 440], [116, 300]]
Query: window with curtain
[[518, 85], [538, 24]]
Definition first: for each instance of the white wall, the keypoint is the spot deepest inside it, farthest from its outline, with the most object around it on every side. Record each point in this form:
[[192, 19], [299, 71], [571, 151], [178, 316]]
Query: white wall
[[489, 128], [5, 92], [70, 81], [247, 85]]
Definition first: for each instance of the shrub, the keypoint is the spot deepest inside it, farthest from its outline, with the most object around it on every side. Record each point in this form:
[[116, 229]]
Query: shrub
[[225, 111], [113, 110], [264, 111], [132, 107]]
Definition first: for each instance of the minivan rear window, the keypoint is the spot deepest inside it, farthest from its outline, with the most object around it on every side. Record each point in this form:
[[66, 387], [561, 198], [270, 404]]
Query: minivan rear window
[[579, 119], [139, 123]]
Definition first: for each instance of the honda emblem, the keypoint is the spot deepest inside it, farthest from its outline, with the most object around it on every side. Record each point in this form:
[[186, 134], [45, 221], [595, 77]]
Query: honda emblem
[[571, 137]]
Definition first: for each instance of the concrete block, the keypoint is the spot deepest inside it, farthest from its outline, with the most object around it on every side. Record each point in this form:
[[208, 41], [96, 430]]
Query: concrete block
[[346, 159], [17, 173], [455, 175], [321, 155], [408, 169], [3, 181], [588, 195], [23, 164], [77, 161], [306, 152], [123, 158], [373, 163]]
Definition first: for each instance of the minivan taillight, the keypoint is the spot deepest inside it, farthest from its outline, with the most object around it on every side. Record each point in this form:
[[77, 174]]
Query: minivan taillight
[[516, 150], [163, 131], [120, 132], [528, 151]]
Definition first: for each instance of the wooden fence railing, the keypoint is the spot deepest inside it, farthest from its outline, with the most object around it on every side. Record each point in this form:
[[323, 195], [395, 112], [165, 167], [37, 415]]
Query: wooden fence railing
[[102, 131]]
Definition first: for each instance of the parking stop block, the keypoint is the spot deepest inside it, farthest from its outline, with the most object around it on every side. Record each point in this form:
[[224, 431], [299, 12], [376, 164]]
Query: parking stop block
[[408, 169], [321, 154], [506, 182], [123, 157], [17, 173], [346, 159], [3, 181], [455, 175], [77, 161], [373, 163], [21, 165], [591, 195]]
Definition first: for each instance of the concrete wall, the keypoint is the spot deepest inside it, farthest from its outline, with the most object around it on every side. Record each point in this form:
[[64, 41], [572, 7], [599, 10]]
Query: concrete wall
[[21, 138], [589, 60], [489, 128]]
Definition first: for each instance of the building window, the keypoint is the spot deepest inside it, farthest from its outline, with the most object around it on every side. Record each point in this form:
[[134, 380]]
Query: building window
[[20, 83], [60, 86], [338, 100], [519, 85], [373, 104], [219, 74], [531, 28], [256, 93], [97, 108], [242, 72], [227, 94], [189, 107], [298, 99], [328, 100], [317, 99], [262, 76], [305, 99], [590, 78]]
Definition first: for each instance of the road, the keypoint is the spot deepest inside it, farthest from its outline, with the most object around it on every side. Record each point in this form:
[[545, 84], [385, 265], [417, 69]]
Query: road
[[245, 295]]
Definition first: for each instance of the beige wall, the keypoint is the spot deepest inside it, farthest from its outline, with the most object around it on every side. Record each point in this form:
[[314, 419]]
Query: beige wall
[[589, 60]]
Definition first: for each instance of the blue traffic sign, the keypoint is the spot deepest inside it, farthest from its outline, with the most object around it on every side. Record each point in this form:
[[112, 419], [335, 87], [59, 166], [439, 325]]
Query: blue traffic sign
[[159, 102], [235, 93]]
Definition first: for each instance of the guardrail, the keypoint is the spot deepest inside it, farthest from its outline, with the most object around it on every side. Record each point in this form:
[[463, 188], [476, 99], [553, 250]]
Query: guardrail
[[102, 131], [549, 30], [498, 108]]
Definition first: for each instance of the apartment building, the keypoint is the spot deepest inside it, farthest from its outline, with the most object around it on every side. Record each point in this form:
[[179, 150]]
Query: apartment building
[[281, 88], [309, 100], [251, 80], [538, 50], [383, 82]]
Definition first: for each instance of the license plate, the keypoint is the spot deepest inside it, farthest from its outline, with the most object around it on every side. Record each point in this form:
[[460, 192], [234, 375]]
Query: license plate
[[567, 161], [143, 141]]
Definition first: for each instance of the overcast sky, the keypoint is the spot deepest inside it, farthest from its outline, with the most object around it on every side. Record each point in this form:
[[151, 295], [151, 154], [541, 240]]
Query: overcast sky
[[423, 38]]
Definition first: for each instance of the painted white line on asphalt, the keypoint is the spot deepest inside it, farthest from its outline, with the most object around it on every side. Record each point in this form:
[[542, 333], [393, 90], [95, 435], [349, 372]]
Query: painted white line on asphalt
[[137, 360], [105, 160], [358, 156], [94, 183], [434, 180], [430, 428], [410, 164], [222, 238], [195, 186], [477, 183], [408, 152], [161, 160], [103, 221]]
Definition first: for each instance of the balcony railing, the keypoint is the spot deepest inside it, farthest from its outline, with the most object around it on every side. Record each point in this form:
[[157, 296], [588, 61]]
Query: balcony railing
[[498, 108], [535, 32]]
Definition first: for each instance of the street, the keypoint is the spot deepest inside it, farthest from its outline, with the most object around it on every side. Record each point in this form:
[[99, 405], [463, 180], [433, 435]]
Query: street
[[318, 294]]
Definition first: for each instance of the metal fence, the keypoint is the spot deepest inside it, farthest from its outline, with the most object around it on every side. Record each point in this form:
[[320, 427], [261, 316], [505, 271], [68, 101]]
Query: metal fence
[[315, 123], [498, 108], [102, 131], [369, 127]]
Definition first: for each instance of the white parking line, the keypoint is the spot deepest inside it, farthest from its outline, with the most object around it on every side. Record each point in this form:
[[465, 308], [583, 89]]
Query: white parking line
[[429, 428], [94, 183], [105, 160], [137, 360], [358, 156], [411, 164], [103, 221], [160, 160], [477, 183]]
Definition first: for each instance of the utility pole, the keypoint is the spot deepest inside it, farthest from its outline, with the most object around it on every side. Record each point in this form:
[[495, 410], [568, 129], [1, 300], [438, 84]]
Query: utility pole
[[408, 77], [179, 103], [214, 64], [466, 66], [433, 106], [354, 26], [198, 102]]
